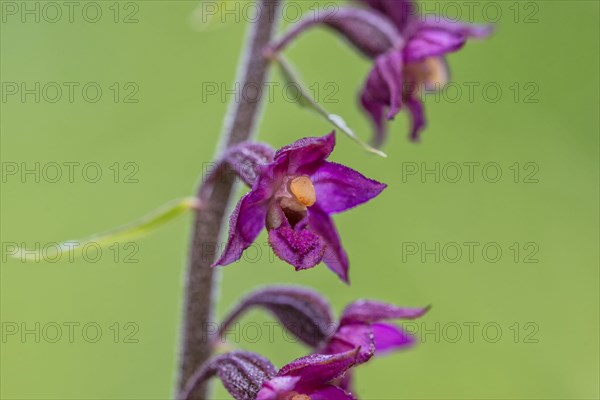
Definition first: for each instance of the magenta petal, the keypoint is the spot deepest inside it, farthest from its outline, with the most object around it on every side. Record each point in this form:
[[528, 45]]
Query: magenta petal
[[353, 336], [340, 188], [245, 224], [417, 114], [383, 89], [335, 256], [399, 11], [431, 41], [477, 31], [277, 387], [318, 369], [331, 393], [346, 382], [301, 247], [305, 151], [389, 69], [389, 337], [376, 111], [370, 311], [309, 375]]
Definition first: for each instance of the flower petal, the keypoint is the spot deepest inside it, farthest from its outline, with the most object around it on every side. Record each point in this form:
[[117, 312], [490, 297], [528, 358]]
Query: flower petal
[[383, 89], [318, 369], [305, 313], [340, 188], [304, 152], [276, 388], [428, 35], [429, 41], [335, 256], [331, 393], [477, 31], [376, 110], [389, 337], [389, 68], [298, 246], [371, 32], [401, 12], [245, 224], [353, 336], [370, 311], [346, 382], [417, 113]]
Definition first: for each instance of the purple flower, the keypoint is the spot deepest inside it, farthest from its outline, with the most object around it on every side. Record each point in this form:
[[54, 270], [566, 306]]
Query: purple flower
[[364, 319], [409, 53], [249, 376], [307, 315], [293, 196], [310, 378], [362, 326], [419, 63]]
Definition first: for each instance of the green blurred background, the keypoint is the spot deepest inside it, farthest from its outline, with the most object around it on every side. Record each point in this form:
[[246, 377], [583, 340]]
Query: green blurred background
[[547, 311]]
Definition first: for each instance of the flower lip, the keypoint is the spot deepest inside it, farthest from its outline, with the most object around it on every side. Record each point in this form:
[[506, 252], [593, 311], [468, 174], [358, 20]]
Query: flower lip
[[303, 190]]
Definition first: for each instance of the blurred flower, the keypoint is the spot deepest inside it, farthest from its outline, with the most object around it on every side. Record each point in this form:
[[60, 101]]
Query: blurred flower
[[294, 195], [307, 315], [409, 53], [401, 73]]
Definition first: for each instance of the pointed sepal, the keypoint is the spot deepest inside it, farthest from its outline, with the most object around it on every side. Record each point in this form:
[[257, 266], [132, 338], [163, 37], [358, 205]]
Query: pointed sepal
[[242, 373], [303, 312], [244, 160]]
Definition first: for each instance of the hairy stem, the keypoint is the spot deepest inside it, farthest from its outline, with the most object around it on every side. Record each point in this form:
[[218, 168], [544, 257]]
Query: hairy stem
[[240, 122]]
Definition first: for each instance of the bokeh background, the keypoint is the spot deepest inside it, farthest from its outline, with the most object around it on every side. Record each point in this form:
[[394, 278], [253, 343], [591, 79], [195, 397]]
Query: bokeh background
[[533, 313]]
